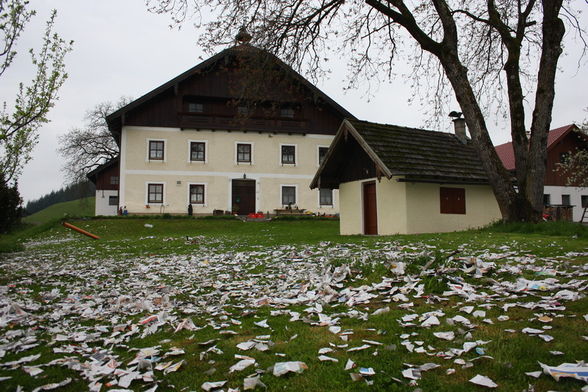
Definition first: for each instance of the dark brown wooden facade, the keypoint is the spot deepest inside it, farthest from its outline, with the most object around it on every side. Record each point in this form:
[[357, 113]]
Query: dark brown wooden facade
[[241, 88], [569, 143], [349, 162], [106, 177], [560, 142]]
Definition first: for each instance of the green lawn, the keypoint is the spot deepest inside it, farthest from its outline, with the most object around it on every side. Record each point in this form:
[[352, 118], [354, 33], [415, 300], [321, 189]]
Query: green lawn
[[85, 299], [77, 208]]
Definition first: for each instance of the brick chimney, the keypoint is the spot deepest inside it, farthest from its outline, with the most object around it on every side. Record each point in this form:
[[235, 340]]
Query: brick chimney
[[460, 129]]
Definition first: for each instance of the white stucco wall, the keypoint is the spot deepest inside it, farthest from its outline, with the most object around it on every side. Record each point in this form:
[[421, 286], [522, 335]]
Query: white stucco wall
[[102, 207], [392, 211], [176, 171], [423, 206], [410, 208], [575, 193], [351, 208]]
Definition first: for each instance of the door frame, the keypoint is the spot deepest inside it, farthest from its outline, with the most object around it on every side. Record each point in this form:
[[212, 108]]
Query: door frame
[[255, 182], [363, 209]]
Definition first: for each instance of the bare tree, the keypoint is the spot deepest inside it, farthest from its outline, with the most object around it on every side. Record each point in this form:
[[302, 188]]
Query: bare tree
[[86, 148], [20, 122], [489, 53]]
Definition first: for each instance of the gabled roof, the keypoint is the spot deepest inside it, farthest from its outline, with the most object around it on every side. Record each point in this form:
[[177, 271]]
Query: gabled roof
[[93, 175], [416, 154], [506, 153], [235, 50]]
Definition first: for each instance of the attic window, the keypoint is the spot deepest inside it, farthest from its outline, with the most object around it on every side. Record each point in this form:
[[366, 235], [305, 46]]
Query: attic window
[[194, 107], [452, 200], [287, 112]]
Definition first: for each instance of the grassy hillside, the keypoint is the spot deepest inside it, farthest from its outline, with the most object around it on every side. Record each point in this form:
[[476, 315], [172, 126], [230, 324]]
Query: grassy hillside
[[80, 207]]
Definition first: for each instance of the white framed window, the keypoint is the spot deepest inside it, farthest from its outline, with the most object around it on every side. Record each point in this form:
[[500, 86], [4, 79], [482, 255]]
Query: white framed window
[[112, 200], [197, 151], [288, 195], [288, 154], [325, 197], [155, 193], [156, 150], [244, 153], [321, 153], [197, 194]]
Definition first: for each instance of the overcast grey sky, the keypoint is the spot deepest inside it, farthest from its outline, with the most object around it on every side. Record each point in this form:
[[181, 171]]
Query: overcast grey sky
[[122, 49]]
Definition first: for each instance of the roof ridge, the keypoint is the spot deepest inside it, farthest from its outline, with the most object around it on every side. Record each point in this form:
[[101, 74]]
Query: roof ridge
[[400, 127]]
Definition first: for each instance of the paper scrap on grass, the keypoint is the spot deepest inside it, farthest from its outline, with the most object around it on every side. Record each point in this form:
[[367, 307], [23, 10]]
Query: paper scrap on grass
[[483, 381], [211, 386], [251, 383], [281, 368], [578, 371], [325, 358], [241, 365], [55, 385], [445, 335]]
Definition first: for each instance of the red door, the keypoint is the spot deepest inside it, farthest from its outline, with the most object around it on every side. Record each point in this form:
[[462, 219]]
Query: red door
[[370, 215]]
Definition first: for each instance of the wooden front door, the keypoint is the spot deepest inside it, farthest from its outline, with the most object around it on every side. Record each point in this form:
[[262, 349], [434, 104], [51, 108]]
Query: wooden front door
[[243, 196], [370, 215]]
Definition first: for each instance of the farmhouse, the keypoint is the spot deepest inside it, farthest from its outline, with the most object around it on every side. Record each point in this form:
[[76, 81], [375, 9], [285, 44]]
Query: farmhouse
[[560, 142], [401, 180], [240, 132]]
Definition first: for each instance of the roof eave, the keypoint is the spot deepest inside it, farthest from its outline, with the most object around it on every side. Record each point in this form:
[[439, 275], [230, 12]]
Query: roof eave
[[346, 126]]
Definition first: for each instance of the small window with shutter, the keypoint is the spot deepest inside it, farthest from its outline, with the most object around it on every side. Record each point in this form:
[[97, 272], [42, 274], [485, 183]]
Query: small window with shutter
[[452, 200]]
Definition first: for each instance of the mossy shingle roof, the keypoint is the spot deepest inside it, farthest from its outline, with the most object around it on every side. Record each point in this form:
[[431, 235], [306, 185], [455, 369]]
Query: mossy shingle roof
[[421, 154]]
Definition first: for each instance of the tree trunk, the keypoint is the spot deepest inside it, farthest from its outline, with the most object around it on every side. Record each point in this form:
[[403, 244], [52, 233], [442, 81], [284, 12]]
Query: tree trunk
[[553, 31], [513, 206]]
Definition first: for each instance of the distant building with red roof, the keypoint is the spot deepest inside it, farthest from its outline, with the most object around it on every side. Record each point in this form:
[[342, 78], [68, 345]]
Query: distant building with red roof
[[560, 142]]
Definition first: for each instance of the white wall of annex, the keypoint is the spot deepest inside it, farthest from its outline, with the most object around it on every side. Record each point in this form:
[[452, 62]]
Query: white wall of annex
[[423, 206], [102, 207], [576, 193]]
